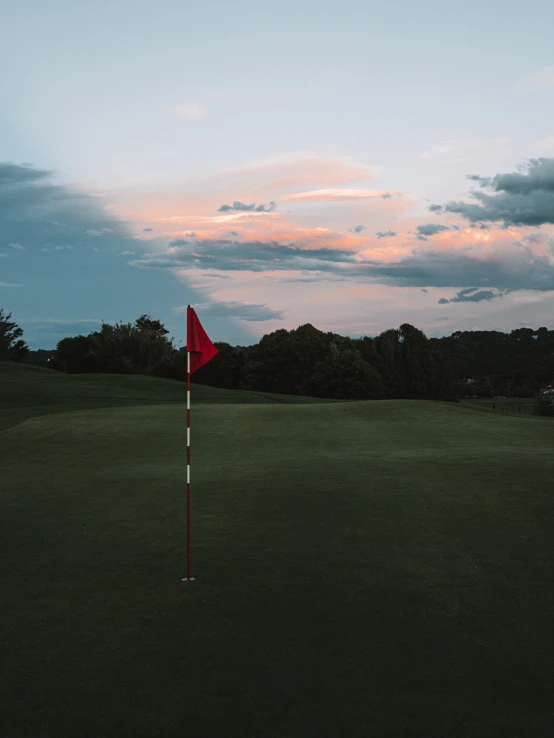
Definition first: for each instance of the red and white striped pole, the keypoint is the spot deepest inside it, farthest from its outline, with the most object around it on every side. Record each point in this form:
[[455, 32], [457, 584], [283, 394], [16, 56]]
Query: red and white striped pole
[[203, 349], [188, 578]]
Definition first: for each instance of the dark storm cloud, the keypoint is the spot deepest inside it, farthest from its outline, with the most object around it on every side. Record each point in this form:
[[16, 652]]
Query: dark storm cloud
[[34, 211], [474, 294], [240, 206], [249, 255], [524, 198], [240, 310], [386, 234], [16, 174], [431, 229], [521, 270]]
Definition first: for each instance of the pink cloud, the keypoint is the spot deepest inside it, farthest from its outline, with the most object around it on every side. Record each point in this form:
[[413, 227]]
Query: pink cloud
[[334, 194], [303, 184]]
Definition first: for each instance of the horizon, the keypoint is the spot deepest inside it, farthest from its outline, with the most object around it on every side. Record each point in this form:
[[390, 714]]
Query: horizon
[[353, 168], [508, 332]]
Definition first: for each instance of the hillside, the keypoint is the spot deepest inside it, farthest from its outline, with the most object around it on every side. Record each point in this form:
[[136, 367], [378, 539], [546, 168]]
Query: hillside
[[27, 391]]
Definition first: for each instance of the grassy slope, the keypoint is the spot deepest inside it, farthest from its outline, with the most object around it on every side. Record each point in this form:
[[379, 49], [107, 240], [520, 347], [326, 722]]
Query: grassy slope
[[27, 391], [380, 568]]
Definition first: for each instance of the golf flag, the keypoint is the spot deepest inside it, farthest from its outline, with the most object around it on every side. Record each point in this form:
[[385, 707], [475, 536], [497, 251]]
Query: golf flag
[[199, 351], [198, 344]]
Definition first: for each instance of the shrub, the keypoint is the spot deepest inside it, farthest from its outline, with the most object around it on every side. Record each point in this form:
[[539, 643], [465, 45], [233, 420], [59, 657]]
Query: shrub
[[544, 404]]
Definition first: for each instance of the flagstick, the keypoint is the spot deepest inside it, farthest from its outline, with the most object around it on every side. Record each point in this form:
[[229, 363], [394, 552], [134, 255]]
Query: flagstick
[[188, 577], [203, 349]]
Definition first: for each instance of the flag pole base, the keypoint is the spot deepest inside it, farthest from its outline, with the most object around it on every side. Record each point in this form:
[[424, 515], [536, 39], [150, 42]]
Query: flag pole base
[[192, 579]]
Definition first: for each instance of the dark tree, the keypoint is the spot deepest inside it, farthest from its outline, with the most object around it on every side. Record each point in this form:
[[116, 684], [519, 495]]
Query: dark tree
[[224, 370], [12, 348], [145, 323], [73, 355], [342, 375]]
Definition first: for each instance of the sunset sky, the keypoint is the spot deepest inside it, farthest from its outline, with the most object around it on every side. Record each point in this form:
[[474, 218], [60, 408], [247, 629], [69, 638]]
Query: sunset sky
[[353, 165]]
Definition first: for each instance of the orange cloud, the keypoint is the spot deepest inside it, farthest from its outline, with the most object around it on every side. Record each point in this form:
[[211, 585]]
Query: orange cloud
[[273, 175], [305, 168]]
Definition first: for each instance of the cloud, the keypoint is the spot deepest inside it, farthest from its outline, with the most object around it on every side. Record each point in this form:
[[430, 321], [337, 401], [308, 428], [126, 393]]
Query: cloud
[[234, 233], [430, 230], [16, 174], [474, 294], [468, 145], [358, 229], [333, 194], [189, 111], [101, 232], [513, 266], [524, 198], [435, 208], [240, 310], [443, 148], [301, 168], [540, 78], [546, 143], [42, 214], [242, 256], [269, 179], [17, 246], [424, 290], [69, 327], [147, 229], [124, 253], [6, 284], [239, 206], [385, 234]]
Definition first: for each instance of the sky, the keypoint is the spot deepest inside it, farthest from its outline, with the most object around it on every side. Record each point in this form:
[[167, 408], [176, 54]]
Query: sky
[[355, 166]]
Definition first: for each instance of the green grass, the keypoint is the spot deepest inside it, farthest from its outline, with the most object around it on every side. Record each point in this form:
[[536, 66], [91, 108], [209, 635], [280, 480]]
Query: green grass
[[27, 391], [486, 401], [363, 569]]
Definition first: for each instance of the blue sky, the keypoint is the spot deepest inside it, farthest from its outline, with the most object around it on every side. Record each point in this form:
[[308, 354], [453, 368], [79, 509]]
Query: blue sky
[[285, 158]]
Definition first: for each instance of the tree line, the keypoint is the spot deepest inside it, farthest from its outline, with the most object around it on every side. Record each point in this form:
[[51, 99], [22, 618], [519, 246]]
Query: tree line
[[397, 364]]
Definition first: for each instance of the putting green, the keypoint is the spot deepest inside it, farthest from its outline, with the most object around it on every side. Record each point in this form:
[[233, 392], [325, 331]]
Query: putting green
[[374, 568]]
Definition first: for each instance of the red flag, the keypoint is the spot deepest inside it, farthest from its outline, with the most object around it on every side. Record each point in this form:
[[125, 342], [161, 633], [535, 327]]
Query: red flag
[[198, 344]]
